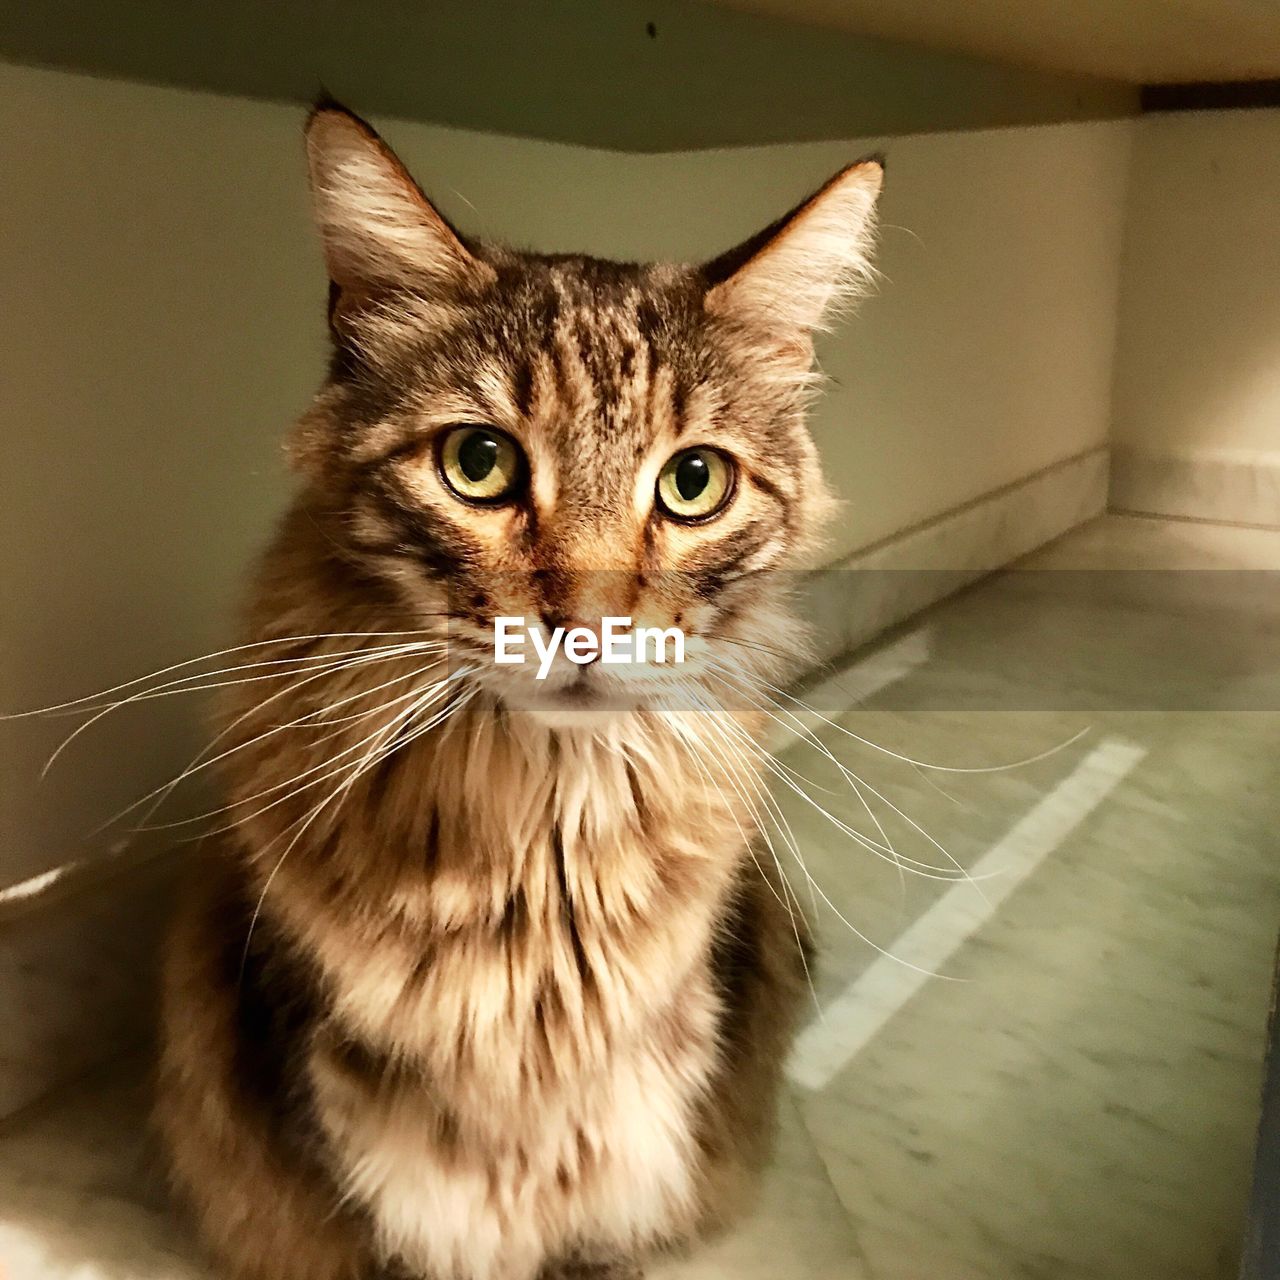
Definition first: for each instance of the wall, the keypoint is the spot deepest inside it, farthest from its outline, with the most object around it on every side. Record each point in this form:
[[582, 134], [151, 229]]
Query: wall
[[986, 353], [163, 322], [1197, 394]]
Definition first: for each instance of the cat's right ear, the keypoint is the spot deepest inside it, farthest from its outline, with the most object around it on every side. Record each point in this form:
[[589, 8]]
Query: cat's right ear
[[379, 231]]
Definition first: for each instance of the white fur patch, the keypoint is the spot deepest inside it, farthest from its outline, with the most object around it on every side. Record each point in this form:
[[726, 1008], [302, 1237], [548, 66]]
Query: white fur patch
[[501, 1203]]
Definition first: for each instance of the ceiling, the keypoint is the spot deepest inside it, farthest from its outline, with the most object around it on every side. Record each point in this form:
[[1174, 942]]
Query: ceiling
[[1138, 41], [635, 75]]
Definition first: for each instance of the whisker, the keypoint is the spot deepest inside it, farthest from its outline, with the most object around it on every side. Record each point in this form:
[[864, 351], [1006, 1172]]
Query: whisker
[[853, 780], [926, 764], [788, 894], [370, 760], [199, 763], [886, 851], [686, 742], [772, 809], [325, 764], [433, 692], [885, 848], [205, 657], [942, 791], [167, 690], [858, 932]]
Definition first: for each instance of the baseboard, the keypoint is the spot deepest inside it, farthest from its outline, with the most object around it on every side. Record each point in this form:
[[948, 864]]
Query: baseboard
[[876, 588], [1226, 490]]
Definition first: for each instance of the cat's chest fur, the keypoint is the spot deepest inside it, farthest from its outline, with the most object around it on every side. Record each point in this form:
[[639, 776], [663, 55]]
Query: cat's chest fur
[[606, 1163], [537, 1017]]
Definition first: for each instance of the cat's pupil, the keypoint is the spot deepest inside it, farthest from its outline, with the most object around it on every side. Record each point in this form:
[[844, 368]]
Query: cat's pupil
[[477, 456], [692, 476]]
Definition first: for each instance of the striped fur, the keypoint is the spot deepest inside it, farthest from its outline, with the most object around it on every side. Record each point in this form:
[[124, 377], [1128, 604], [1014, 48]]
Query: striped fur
[[511, 1002]]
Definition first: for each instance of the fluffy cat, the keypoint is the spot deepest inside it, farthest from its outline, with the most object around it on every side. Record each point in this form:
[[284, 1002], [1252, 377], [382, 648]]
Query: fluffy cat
[[487, 977]]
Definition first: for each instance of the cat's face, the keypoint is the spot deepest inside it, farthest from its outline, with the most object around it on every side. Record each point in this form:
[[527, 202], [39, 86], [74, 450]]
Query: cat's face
[[561, 439]]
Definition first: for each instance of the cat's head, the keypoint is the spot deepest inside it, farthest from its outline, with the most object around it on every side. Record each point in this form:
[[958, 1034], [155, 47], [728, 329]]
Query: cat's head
[[563, 439]]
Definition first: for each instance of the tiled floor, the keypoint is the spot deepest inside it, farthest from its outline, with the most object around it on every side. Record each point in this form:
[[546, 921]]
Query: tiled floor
[[1076, 1096], [1082, 1103]]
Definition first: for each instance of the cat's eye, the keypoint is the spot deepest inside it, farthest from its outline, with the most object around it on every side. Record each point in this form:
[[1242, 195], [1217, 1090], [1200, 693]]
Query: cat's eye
[[695, 484], [481, 464]]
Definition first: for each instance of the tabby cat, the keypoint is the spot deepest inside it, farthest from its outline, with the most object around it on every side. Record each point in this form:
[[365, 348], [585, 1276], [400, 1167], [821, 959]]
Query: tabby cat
[[487, 977]]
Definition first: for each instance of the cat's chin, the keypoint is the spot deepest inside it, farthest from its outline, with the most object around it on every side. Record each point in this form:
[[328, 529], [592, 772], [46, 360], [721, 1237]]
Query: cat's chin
[[551, 716], [571, 707]]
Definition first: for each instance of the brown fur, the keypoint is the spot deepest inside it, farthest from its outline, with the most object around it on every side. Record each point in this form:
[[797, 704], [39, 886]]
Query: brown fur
[[506, 996]]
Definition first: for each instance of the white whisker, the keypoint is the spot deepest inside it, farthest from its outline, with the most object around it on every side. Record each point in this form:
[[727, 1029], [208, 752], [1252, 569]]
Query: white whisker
[[324, 764], [719, 723], [199, 762], [927, 870], [424, 699], [926, 764], [206, 657], [788, 895], [854, 928], [370, 759], [168, 690]]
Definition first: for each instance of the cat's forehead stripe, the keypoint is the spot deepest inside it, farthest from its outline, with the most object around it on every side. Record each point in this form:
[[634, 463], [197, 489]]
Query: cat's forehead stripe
[[601, 373]]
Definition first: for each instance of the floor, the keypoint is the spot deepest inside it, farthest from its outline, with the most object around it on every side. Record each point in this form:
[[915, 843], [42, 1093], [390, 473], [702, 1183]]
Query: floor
[[1050, 1069]]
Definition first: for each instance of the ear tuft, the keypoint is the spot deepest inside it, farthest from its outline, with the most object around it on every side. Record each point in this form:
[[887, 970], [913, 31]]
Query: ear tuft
[[378, 229], [790, 274]]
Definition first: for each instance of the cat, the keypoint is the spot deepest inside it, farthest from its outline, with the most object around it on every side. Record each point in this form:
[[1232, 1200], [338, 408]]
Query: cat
[[486, 976]]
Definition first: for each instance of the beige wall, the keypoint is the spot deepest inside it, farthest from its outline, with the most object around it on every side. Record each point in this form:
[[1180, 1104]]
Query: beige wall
[[986, 353], [163, 321], [1197, 395]]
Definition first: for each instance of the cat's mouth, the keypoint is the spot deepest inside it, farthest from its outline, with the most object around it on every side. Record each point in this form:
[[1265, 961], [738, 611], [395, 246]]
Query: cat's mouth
[[587, 697], [583, 690]]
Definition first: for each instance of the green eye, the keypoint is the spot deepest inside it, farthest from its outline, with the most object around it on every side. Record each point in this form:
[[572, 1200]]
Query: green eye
[[695, 484], [481, 464]]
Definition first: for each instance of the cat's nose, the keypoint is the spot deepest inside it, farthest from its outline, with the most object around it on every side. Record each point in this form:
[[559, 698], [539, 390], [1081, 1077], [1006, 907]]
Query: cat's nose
[[572, 623]]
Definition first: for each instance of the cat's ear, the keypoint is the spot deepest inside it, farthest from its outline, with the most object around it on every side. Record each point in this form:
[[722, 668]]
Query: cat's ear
[[787, 276], [378, 229]]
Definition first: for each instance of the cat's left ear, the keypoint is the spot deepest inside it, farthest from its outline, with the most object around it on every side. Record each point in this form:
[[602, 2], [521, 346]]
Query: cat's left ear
[[788, 276], [378, 230]]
